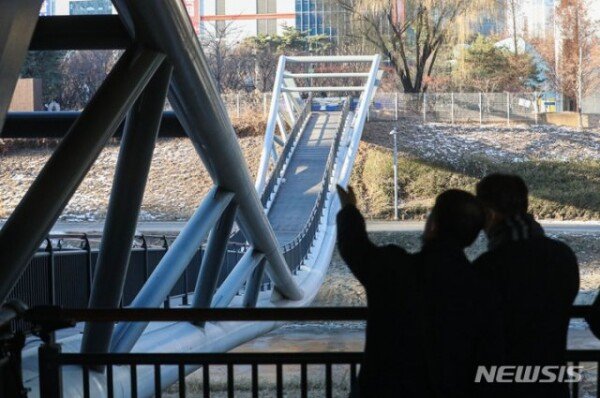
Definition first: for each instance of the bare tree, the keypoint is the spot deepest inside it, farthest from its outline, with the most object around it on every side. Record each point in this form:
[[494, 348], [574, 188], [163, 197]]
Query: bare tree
[[411, 40], [513, 9], [577, 72], [86, 70], [219, 42]]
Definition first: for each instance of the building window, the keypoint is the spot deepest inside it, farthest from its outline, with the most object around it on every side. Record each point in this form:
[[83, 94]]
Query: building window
[[266, 26], [266, 6], [219, 25], [87, 7]]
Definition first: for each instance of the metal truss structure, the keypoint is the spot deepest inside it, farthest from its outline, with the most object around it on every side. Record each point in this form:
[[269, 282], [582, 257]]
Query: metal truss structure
[[163, 58]]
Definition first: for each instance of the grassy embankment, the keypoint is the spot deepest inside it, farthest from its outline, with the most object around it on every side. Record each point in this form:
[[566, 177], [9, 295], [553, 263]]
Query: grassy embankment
[[559, 190]]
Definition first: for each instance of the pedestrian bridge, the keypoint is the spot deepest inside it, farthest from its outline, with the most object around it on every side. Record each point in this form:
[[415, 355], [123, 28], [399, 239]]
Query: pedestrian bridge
[[281, 227]]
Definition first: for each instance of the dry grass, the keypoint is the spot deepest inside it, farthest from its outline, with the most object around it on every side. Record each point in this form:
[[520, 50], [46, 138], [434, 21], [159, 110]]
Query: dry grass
[[559, 190], [565, 190]]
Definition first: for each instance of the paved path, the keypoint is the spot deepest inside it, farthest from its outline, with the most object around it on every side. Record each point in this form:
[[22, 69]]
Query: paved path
[[576, 227], [173, 227]]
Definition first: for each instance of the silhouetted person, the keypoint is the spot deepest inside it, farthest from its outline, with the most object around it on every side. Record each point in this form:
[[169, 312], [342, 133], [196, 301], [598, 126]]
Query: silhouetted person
[[593, 318], [419, 338], [535, 280]]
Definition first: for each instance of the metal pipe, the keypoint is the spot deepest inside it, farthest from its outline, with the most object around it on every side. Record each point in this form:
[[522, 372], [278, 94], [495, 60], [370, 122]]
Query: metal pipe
[[253, 286], [329, 58], [235, 280], [287, 100], [80, 32], [197, 101], [17, 23], [325, 75], [263, 167], [173, 264], [212, 260], [133, 165], [322, 88], [57, 124], [394, 133], [47, 196]]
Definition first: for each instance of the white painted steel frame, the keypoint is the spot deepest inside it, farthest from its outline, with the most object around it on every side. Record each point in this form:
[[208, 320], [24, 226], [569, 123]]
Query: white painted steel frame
[[284, 85], [196, 100]]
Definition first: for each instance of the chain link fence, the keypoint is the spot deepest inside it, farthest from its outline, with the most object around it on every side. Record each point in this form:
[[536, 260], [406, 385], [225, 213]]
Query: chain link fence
[[478, 108]]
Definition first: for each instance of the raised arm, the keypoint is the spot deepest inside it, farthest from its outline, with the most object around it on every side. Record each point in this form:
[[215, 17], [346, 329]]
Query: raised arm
[[353, 242]]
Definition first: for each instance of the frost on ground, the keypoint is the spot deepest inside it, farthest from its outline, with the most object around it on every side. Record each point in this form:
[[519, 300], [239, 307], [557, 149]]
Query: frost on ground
[[178, 180], [501, 143]]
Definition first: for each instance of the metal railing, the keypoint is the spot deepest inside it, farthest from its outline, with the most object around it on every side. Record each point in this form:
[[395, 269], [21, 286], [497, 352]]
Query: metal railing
[[149, 368], [61, 272], [297, 250]]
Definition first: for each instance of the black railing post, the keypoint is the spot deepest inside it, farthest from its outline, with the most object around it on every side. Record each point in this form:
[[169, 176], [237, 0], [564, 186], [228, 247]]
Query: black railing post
[[166, 247], [49, 368], [51, 272], [89, 272], [184, 299], [145, 247]]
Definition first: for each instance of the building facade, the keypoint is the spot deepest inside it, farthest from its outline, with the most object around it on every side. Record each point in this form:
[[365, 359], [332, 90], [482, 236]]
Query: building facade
[[269, 17], [77, 7]]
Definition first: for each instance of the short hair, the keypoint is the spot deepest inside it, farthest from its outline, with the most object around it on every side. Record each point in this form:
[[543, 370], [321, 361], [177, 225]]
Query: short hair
[[506, 194], [458, 216]]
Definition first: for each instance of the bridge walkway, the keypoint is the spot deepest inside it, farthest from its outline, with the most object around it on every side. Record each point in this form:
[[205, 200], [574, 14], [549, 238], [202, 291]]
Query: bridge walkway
[[302, 180]]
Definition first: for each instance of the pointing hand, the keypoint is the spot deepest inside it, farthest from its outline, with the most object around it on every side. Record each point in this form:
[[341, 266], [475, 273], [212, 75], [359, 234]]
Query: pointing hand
[[346, 197]]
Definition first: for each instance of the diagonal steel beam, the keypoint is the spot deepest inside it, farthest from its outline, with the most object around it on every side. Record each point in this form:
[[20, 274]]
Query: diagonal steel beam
[[133, 165], [47, 196], [253, 286], [17, 23], [212, 260], [235, 280], [166, 25], [172, 266]]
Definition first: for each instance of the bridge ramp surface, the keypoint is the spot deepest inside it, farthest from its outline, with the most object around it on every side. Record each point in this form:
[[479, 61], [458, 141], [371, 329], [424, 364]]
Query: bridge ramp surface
[[302, 179]]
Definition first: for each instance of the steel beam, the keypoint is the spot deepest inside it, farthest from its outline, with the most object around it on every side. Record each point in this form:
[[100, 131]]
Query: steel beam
[[80, 32], [212, 260], [131, 174], [17, 22], [196, 100], [172, 266], [235, 280], [330, 58], [253, 286], [287, 100], [263, 168], [57, 124], [47, 196], [322, 88], [325, 75]]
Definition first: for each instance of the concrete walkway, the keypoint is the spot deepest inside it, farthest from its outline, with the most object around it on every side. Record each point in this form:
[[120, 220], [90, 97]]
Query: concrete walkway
[[173, 227]]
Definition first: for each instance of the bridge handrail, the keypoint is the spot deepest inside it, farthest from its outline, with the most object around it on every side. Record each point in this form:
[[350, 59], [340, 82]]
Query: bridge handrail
[[296, 250], [275, 174]]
